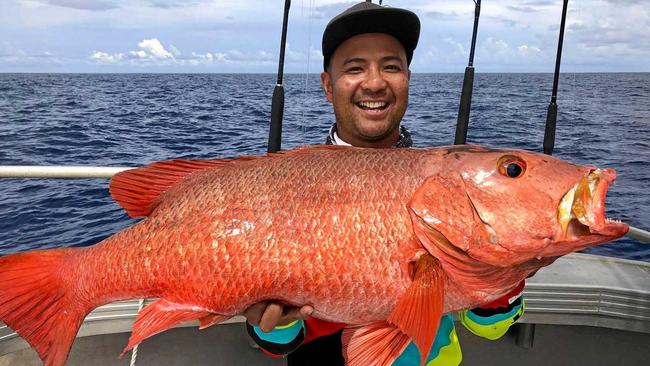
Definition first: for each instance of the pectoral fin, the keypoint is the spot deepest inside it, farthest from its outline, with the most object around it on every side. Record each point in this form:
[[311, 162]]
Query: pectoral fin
[[376, 344], [419, 310], [416, 317]]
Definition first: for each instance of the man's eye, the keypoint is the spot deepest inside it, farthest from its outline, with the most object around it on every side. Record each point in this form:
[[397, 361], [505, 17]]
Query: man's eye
[[393, 68], [354, 69]]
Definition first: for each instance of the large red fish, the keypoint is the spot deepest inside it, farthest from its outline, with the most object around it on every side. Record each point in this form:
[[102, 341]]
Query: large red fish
[[383, 240]]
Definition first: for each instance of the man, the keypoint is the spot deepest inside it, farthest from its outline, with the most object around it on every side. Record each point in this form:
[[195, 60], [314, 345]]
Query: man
[[367, 50]]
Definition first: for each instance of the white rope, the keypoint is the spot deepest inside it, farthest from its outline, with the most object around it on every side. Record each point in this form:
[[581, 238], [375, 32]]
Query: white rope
[[134, 351]]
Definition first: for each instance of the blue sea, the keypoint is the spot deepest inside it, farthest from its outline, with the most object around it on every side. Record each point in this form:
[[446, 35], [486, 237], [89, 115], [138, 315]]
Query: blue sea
[[134, 119]]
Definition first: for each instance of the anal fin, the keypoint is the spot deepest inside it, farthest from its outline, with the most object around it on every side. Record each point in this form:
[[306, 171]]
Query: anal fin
[[418, 312], [211, 319], [162, 315]]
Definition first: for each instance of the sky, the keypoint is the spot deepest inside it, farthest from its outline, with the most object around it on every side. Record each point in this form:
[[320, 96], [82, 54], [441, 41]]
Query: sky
[[231, 36]]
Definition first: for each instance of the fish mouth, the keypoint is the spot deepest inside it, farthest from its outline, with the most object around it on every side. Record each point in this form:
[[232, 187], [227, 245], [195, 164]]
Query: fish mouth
[[581, 211]]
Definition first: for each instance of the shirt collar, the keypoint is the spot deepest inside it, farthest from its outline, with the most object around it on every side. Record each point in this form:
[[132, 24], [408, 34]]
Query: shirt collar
[[403, 141]]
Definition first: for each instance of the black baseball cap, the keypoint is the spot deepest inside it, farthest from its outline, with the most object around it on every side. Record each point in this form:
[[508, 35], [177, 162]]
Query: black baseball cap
[[367, 17]]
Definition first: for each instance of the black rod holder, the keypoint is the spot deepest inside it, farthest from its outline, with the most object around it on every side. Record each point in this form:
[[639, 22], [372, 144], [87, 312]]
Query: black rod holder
[[468, 85], [277, 103], [551, 113]]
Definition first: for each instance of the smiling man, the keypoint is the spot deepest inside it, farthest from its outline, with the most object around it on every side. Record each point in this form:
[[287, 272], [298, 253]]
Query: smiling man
[[367, 82], [367, 51]]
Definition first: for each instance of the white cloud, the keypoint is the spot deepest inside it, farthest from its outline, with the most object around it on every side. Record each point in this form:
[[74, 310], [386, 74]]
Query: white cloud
[[103, 57], [19, 56], [95, 5], [155, 49], [175, 51], [447, 52], [203, 58], [167, 4], [152, 53], [138, 54], [500, 52], [526, 50]]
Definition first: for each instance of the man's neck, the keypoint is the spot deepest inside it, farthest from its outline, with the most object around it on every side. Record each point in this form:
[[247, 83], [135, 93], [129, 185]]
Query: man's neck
[[386, 142]]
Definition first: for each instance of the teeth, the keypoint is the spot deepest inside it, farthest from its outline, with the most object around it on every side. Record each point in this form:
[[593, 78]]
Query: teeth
[[372, 105], [565, 213], [593, 179], [578, 203], [575, 203], [582, 200]]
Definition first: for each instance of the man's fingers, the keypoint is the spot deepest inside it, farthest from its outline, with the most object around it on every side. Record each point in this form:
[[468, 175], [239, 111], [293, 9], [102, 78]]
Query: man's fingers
[[254, 313], [306, 311], [271, 317], [293, 313], [297, 313]]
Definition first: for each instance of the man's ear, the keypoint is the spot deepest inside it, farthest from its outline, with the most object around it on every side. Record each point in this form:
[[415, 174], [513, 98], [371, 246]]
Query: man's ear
[[326, 83]]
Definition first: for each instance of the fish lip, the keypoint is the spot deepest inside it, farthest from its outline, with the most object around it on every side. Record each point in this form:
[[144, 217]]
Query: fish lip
[[592, 205]]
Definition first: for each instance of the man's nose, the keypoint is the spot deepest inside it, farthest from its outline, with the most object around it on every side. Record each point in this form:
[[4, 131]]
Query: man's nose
[[374, 80]]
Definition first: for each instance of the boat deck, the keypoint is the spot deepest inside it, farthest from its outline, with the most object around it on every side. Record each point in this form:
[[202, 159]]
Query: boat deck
[[228, 345], [587, 310]]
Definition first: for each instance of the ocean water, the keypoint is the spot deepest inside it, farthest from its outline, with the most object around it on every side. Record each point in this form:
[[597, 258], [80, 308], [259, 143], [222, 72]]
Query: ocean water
[[133, 119]]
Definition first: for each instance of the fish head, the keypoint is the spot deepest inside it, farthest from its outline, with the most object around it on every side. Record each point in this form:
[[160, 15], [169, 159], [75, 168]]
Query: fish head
[[506, 207]]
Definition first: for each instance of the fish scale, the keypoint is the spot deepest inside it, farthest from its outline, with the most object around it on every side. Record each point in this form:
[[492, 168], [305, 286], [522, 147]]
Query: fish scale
[[385, 241]]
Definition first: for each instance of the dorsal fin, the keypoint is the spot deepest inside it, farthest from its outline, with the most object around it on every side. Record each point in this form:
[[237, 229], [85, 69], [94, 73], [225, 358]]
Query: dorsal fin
[[137, 190]]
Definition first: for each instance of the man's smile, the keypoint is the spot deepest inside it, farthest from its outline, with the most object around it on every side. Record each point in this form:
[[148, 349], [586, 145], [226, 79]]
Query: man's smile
[[373, 107]]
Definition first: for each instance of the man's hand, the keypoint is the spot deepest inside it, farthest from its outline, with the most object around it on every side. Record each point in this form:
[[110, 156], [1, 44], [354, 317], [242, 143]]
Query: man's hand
[[268, 315]]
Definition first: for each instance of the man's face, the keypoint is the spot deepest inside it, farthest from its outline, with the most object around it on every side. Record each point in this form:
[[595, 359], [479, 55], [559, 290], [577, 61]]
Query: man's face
[[367, 82]]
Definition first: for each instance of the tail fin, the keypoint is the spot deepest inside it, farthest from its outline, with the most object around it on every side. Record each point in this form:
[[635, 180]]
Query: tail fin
[[36, 302]]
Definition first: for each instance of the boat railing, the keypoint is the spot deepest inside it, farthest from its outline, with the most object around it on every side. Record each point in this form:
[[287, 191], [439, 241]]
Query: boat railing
[[59, 171]]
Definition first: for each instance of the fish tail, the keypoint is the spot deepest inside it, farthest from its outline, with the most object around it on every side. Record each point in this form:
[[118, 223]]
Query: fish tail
[[37, 301]]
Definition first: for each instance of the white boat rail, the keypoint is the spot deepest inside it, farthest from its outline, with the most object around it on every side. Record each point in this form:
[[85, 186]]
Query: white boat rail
[[59, 171], [77, 172]]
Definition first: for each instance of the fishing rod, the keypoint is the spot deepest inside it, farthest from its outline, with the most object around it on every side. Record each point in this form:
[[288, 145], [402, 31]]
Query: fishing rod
[[468, 85], [551, 113], [277, 103], [551, 119]]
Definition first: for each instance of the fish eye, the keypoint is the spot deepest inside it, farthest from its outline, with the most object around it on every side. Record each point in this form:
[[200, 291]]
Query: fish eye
[[511, 166]]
